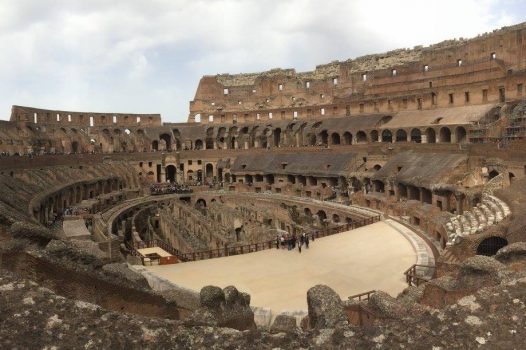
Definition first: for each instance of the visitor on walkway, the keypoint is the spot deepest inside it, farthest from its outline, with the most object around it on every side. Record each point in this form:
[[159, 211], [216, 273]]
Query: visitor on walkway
[[277, 241], [299, 247], [307, 241]]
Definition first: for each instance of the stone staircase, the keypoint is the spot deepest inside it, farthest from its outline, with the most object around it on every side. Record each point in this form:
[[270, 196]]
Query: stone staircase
[[489, 212]]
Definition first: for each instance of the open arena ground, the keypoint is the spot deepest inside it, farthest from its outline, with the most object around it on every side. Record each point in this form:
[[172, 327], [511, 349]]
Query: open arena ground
[[370, 257]]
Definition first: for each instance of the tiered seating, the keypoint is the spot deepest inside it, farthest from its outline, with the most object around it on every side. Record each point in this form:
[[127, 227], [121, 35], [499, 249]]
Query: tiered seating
[[490, 211]]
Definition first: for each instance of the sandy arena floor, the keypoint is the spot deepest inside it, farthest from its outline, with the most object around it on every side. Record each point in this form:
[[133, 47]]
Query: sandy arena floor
[[371, 257]]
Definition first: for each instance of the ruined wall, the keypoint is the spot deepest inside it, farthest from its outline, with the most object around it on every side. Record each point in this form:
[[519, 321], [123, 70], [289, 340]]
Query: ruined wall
[[488, 68]]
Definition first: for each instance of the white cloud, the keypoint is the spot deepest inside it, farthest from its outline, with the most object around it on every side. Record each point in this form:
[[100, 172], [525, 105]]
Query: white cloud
[[147, 56]]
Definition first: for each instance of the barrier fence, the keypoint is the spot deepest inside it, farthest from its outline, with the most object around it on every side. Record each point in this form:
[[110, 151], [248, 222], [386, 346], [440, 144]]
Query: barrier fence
[[414, 278], [244, 249]]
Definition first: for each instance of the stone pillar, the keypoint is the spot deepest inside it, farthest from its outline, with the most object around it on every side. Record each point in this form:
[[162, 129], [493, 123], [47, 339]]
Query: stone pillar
[[409, 136], [424, 138]]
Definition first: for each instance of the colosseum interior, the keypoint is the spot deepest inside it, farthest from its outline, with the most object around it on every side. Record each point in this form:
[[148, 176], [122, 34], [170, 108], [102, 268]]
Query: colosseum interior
[[405, 171]]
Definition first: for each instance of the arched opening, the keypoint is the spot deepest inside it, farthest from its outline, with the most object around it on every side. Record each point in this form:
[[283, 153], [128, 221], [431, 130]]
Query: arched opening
[[431, 135], [374, 135], [291, 179], [74, 147], [307, 212], [445, 135], [168, 141], [199, 175], [311, 139], [347, 138], [198, 145], [491, 245], [401, 135], [324, 137], [460, 134], [200, 204], [322, 217], [361, 137], [511, 177], [416, 136], [335, 138], [170, 173], [277, 137], [155, 145], [335, 218], [377, 167], [387, 136], [209, 171], [493, 174]]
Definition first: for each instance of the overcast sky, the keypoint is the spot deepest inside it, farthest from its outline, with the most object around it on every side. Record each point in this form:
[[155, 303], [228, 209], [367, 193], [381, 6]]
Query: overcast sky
[[148, 56]]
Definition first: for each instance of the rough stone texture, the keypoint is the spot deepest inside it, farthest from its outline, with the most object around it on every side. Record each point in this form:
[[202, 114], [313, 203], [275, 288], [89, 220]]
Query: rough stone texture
[[32, 232], [67, 250], [511, 253], [284, 323], [325, 307], [223, 308], [122, 270], [384, 305]]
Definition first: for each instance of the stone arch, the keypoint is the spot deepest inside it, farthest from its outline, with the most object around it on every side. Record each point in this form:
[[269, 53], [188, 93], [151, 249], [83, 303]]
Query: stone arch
[[168, 141], [416, 135], [75, 147], [511, 176], [401, 135], [461, 134], [387, 136], [322, 217], [198, 144], [491, 245], [377, 167], [493, 173], [155, 145], [200, 204], [324, 137], [347, 138], [335, 218], [209, 170], [431, 135], [335, 138], [361, 137], [445, 135], [277, 137], [171, 172], [374, 135], [311, 138]]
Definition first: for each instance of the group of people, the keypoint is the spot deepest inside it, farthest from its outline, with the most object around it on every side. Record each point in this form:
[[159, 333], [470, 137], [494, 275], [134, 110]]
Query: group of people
[[168, 188], [75, 211], [291, 241]]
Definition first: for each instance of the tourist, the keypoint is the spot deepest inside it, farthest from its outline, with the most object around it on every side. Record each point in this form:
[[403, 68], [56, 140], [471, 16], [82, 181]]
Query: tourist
[[307, 241], [277, 241], [299, 247]]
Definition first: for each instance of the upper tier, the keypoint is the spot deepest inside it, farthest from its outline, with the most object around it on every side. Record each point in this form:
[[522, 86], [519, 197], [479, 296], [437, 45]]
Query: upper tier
[[488, 68]]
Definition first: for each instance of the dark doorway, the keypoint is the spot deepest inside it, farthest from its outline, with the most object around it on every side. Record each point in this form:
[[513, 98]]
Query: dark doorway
[[491, 245]]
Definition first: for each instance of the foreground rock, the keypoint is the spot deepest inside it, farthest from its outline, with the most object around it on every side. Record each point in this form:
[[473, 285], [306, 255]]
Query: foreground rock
[[325, 307], [223, 308]]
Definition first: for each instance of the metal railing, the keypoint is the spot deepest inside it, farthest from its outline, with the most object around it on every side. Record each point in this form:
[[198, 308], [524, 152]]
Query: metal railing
[[414, 278], [243, 249], [362, 296]]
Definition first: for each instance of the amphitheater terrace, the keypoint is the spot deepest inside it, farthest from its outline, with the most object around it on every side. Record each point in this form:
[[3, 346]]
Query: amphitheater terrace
[[400, 176]]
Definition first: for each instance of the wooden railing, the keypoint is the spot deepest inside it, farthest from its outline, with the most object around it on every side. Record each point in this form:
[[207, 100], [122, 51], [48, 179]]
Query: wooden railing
[[413, 278], [362, 296], [244, 249]]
